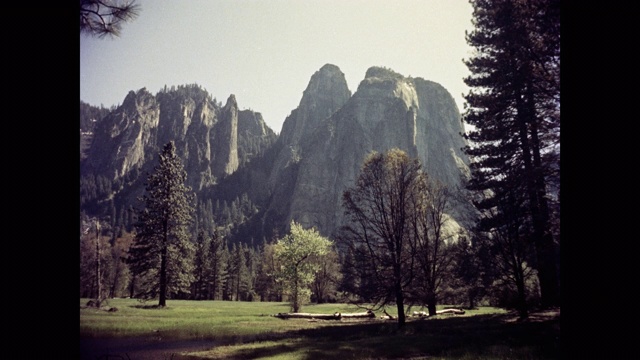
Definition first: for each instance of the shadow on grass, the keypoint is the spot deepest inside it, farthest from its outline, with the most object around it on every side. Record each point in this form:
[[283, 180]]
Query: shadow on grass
[[474, 337], [141, 306]]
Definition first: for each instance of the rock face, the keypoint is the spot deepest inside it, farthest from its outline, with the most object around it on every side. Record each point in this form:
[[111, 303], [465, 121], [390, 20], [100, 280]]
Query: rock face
[[254, 136], [124, 137], [127, 141], [326, 92], [299, 175], [225, 139], [387, 111]]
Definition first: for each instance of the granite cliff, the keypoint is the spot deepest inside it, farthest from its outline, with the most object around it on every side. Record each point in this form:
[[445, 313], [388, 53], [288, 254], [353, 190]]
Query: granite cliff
[[300, 174], [387, 111], [212, 140]]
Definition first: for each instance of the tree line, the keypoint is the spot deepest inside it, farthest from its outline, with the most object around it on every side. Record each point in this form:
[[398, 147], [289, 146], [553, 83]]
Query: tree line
[[396, 250]]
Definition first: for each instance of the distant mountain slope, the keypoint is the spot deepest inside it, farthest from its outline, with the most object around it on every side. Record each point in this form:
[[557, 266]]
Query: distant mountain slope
[[211, 139]]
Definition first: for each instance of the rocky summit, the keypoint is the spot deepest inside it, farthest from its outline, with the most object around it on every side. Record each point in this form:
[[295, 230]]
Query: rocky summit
[[300, 174], [387, 111]]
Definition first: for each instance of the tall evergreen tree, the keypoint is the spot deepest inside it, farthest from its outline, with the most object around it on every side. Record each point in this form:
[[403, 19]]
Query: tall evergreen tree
[[201, 266], [231, 269], [162, 252], [217, 262], [240, 265], [253, 259], [266, 285], [514, 106]]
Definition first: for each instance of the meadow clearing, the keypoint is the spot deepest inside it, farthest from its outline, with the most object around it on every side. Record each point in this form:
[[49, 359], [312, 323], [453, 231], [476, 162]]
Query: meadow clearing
[[187, 329]]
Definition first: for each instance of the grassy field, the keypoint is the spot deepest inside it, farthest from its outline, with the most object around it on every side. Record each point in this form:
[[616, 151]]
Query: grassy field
[[243, 330]]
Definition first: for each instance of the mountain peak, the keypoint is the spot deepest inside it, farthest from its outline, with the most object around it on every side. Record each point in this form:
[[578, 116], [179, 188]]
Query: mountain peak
[[330, 68], [382, 73], [328, 80], [326, 92], [231, 101]]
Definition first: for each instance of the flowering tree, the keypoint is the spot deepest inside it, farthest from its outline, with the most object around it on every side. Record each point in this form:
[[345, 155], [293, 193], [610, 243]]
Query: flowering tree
[[295, 252]]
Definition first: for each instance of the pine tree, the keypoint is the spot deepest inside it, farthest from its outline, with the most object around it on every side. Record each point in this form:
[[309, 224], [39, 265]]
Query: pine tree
[[240, 265], [201, 266], [106, 17], [231, 269], [251, 255], [162, 254], [514, 106], [217, 262], [265, 284]]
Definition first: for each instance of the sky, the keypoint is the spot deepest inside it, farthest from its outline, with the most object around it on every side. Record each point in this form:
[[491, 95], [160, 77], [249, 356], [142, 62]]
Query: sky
[[265, 51]]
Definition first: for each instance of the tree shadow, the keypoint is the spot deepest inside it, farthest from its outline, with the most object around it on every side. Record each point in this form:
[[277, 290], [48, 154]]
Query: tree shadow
[[142, 306], [454, 337]]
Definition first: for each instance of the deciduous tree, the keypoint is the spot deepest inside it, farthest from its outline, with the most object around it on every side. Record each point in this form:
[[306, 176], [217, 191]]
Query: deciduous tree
[[379, 209], [434, 242], [327, 278], [294, 253]]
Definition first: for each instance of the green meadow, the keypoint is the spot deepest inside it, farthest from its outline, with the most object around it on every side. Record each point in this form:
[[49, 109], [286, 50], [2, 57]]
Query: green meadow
[[247, 330]]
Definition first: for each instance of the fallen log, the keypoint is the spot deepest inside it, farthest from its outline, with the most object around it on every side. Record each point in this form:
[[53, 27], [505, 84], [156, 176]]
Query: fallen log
[[450, 311], [439, 312], [360, 315], [334, 316]]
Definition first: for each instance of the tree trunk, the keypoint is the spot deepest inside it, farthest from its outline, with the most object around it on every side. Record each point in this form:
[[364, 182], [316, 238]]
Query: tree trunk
[[132, 286], [522, 297], [295, 302], [114, 284], [163, 278], [431, 304], [334, 316], [536, 192], [400, 306], [98, 280]]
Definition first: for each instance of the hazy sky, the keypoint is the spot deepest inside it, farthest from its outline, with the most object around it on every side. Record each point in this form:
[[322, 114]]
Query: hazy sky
[[265, 51]]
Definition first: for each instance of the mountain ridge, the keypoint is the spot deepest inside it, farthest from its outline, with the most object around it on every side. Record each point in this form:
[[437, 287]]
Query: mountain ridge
[[298, 174]]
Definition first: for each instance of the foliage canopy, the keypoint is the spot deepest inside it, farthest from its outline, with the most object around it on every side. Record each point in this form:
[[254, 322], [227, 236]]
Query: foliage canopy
[[103, 18]]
